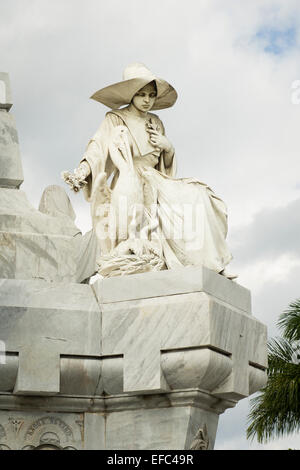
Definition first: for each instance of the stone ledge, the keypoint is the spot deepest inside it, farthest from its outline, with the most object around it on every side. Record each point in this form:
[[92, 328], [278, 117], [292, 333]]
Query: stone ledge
[[173, 282], [168, 421], [117, 403]]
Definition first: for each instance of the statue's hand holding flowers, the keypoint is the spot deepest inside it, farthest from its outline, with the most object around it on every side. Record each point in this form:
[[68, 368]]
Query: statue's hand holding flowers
[[77, 180]]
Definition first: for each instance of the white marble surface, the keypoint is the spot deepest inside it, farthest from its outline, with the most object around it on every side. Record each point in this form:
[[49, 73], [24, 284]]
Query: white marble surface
[[43, 245], [94, 432], [186, 368], [38, 256], [148, 345], [5, 92], [160, 368], [42, 321], [159, 429], [55, 202], [11, 171], [176, 281], [149, 331], [18, 215], [143, 423]]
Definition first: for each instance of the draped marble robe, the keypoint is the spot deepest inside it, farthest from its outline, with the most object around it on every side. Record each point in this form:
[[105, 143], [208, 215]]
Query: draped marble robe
[[192, 219]]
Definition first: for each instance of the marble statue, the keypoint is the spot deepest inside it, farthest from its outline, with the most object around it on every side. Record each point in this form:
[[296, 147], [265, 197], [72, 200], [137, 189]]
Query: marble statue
[[143, 217]]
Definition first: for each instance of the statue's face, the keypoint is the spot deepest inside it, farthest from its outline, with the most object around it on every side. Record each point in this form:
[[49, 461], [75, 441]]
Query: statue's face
[[144, 99]]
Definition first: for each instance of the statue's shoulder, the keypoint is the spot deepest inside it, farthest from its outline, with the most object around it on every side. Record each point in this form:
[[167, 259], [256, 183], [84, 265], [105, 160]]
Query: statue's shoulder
[[118, 112], [114, 111], [116, 116]]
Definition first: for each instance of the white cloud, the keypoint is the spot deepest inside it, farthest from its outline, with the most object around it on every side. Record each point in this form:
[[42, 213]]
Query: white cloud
[[257, 275], [239, 443], [284, 443]]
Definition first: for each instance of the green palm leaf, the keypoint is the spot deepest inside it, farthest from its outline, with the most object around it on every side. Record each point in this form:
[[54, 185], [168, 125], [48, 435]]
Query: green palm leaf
[[289, 322], [275, 412]]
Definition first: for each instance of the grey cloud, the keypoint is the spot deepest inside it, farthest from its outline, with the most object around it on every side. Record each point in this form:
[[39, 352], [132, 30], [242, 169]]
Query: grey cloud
[[275, 298], [232, 427], [273, 231], [267, 306]]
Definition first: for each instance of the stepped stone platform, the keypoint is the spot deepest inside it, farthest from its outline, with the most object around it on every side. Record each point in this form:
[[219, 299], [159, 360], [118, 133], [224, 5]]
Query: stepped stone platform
[[140, 362]]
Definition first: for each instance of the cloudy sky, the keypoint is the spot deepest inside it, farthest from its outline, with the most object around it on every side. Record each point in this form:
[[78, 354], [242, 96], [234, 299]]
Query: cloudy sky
[[235, 125]]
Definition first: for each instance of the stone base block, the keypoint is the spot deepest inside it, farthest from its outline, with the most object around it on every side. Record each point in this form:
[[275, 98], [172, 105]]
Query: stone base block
[[37, 245], [5, 92], [17, 215], [40, 324], [153, 429], [11, 171], [178, 420], [38, 256], [150, 367]]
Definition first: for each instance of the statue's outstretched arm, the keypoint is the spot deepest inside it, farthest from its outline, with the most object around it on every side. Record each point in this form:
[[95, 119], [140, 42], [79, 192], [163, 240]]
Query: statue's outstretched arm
[[77, 179]]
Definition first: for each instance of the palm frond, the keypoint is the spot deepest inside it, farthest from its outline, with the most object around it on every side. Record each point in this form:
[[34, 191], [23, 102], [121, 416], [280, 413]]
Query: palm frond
[[289, 321], [276, 411], [280, 351]]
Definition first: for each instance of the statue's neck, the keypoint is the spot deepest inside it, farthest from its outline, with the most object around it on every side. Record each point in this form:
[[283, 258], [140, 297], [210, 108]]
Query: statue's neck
[[136, 112]]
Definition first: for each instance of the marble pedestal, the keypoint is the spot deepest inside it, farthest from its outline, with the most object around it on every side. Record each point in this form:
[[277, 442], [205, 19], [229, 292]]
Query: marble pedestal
[[147, 361]]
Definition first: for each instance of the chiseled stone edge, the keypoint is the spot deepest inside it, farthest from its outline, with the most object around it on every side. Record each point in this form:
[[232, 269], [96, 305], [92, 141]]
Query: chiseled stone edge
[[75, 404]]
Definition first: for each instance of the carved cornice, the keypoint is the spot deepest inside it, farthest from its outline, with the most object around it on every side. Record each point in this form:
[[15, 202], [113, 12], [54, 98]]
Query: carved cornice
[[190, 397]]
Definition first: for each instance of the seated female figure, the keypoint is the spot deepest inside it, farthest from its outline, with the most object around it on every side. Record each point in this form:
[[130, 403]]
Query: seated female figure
[[146, 219]]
